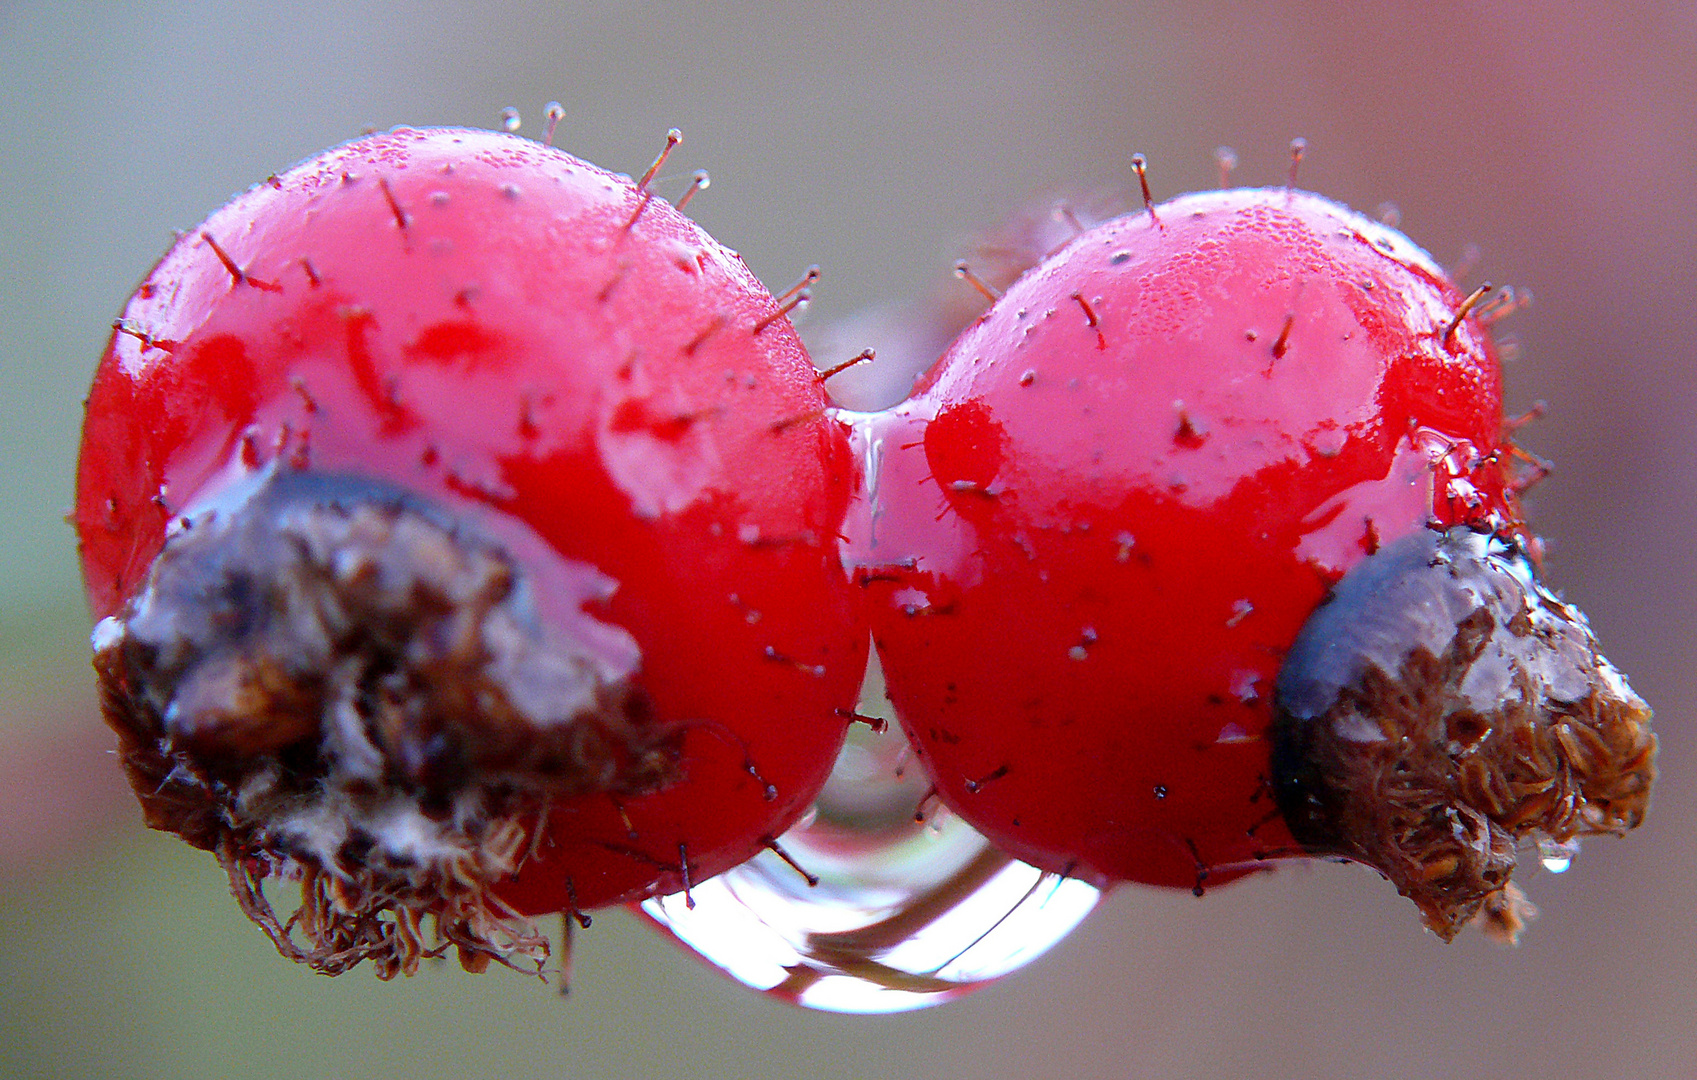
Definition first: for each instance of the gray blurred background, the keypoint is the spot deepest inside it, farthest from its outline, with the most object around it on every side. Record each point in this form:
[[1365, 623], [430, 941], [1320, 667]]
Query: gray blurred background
[[870, 139]]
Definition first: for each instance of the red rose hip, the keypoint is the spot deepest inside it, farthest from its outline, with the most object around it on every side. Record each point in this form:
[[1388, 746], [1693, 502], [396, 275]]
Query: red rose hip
[[1108, 513], [461, 521]]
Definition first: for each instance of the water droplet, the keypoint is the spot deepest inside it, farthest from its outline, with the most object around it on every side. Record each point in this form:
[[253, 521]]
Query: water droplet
[[107, 633], [1465, 492], [906, 913], [1557, 855], [510, 119], [1327, 442]]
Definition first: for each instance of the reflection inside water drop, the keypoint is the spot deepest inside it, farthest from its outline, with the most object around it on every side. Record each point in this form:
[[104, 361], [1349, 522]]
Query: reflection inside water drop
[[1557, 855], [906, 913]]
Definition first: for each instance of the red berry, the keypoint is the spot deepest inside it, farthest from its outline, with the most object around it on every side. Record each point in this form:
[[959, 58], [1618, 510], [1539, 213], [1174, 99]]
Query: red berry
[[1101, 522], [462, 522]]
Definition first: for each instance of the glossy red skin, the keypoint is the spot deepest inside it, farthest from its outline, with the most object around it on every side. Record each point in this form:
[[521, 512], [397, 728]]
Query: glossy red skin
[[517, 355], [1089, 547]]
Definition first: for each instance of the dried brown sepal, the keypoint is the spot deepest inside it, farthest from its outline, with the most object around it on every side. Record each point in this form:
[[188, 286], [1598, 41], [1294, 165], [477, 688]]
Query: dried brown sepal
[[326, 682], [1504, 914], [1441, 711]]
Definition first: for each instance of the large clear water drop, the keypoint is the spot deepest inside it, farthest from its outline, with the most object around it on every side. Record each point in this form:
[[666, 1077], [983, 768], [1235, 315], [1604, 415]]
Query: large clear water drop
[[905, 914], [1557, 855]]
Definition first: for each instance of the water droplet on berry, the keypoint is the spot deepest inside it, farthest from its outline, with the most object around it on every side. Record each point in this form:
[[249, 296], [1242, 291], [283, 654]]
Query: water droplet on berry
[[1327, 442], [510, 119], [1465, 492], [905, 913]]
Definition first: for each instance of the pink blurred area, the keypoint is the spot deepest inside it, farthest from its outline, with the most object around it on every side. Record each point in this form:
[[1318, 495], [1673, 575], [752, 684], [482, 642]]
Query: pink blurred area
[[873, 139], [60, 786]]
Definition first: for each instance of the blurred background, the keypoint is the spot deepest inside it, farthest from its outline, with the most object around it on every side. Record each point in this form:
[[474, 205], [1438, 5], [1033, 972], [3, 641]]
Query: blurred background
[[1559, 139]]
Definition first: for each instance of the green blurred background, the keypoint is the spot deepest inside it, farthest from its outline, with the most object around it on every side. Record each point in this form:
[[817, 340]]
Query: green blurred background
[[873, 139]]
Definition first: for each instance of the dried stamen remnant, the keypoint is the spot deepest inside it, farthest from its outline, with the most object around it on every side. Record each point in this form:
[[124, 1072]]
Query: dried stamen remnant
[[326, 682], [1440, 710]]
